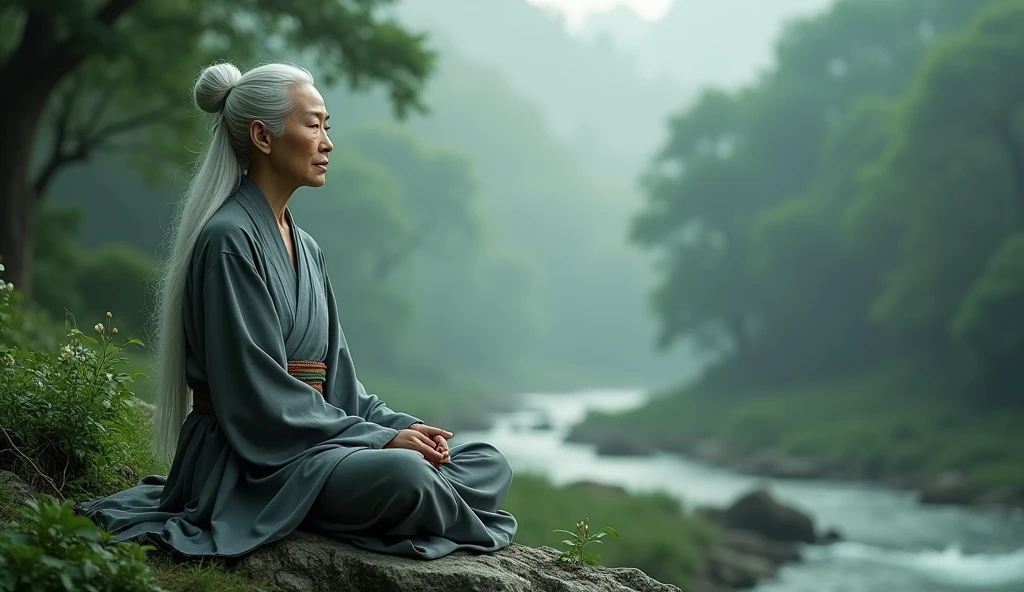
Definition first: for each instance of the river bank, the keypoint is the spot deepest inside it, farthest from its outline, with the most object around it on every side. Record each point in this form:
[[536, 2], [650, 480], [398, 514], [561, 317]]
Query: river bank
[[890, 541], [892, 429]]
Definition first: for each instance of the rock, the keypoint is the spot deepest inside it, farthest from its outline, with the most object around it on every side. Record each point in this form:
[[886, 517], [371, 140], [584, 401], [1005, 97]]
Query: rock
[[742, 559], [775, 463], [306, 562], [1007, 496], [949, 487], [759, 512], [731, 569], [622, 447], [829, 537], [756, 545], [543, 423], [13, 494], [20, 491]]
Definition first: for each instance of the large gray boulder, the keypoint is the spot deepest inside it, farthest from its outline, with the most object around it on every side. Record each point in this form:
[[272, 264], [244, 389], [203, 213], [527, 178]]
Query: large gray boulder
[[759, 512], [305, 562]]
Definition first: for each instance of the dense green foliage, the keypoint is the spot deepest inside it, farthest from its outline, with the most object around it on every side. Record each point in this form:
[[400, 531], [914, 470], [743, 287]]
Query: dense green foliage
[[901, 425], [788, 211], [846, 234], [50, 548]]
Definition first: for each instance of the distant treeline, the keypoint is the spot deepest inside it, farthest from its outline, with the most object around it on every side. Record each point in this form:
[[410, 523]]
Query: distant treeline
[[862, 202]]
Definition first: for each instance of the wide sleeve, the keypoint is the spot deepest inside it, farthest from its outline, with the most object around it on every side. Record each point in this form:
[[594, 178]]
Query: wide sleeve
[[343, 386], [270, 417]]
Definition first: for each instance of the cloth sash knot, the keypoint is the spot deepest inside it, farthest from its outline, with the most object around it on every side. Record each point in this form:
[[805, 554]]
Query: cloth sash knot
[[312, 373]]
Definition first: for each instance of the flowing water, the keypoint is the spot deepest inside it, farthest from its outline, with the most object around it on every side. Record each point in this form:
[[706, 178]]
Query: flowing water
[[891, 542]]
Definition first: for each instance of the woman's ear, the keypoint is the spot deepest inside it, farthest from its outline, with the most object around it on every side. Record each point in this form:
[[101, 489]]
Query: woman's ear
[[260, 136]]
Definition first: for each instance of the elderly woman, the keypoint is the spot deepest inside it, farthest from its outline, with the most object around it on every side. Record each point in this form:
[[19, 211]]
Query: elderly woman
[[259, 403]]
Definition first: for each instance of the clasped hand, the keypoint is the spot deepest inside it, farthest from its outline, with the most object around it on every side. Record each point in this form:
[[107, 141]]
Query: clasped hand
[[429, 441]]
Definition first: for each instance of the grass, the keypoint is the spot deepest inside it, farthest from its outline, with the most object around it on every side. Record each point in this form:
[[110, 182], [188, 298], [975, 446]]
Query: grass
[[898, 422], [657, 536]]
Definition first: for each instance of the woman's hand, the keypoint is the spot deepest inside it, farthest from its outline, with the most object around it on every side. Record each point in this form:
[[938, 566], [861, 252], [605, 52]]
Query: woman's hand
[[439, 437], [412, 439]]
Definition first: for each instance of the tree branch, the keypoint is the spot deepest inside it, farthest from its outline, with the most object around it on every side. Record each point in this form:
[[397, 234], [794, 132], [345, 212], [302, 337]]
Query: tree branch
[[68, 54], [113, 10], [85, 144], [60, 155]]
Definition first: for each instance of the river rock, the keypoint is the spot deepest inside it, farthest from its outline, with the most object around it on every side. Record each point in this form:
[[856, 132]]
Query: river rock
[[949, 487], [622, 447], [742, 559], [1007, 496], [306, 562], [759, 512], [778, 464]]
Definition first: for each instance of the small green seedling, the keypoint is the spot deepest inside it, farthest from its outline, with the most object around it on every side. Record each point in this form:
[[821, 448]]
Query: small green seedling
[[574, 551]]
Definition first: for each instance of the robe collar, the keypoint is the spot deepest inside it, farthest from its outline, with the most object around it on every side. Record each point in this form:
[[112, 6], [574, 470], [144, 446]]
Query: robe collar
[[255, 203]]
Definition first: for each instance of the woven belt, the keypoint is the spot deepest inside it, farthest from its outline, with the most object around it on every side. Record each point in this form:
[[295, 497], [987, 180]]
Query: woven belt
[[312, 373]]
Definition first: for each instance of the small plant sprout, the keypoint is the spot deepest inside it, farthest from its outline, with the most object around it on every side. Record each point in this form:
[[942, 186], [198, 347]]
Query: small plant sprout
[[574, 551]]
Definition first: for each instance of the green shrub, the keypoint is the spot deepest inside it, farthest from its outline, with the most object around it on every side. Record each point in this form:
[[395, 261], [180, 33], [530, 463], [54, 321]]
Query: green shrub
[[51, 548], [67, 418]]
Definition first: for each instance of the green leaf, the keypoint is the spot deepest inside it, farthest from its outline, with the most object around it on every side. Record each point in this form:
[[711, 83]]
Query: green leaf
[[609, 530]]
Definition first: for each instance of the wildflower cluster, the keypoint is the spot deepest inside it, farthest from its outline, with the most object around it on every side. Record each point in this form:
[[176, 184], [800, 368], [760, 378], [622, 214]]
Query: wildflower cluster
[[66, 418]]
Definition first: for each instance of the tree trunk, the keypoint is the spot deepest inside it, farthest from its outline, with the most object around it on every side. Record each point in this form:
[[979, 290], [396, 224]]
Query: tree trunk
[[20, 116]]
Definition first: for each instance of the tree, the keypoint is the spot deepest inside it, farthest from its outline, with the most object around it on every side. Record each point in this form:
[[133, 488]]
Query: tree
[[731, 156], [815, 284], [989, 325], [950, 187], [438, 189], [113, 73]]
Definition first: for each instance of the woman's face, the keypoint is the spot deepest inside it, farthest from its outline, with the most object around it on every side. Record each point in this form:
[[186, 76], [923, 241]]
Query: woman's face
[[300, 154]]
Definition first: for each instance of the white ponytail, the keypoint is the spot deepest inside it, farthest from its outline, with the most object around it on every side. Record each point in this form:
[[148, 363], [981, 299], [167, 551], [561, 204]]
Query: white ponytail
[[236, 99]]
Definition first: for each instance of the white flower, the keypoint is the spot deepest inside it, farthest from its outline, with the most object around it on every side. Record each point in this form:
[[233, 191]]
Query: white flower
[[2, 268], [106, 402]]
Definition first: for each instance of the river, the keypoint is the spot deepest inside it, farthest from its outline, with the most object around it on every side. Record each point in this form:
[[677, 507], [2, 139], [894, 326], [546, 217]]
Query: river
[[892, 543]]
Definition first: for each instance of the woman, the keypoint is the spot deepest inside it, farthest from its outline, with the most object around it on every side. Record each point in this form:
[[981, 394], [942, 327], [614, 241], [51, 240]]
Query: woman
[[281, 433]]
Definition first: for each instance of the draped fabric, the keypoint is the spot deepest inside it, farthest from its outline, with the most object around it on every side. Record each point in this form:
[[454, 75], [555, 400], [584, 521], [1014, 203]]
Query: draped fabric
[[250, 473]]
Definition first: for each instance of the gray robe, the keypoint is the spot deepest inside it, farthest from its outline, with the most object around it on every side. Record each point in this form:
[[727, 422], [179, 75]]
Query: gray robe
[[277, 455]]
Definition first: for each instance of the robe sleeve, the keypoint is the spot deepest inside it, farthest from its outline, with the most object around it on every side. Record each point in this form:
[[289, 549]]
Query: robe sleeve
[[270, 417], [343, 386]]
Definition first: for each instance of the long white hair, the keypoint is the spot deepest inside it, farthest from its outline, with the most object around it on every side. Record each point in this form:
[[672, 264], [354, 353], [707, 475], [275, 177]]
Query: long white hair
[[236, 100]]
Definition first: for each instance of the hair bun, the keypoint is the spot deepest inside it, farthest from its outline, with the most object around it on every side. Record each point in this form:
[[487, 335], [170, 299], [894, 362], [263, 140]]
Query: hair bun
[[213, 85]]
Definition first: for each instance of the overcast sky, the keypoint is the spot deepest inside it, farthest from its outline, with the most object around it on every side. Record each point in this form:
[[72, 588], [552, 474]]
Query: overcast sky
[[577, 10]]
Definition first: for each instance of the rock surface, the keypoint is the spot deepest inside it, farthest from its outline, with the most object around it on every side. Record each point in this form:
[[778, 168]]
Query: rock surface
[[305, 562], [743, 559], [759, 512]]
